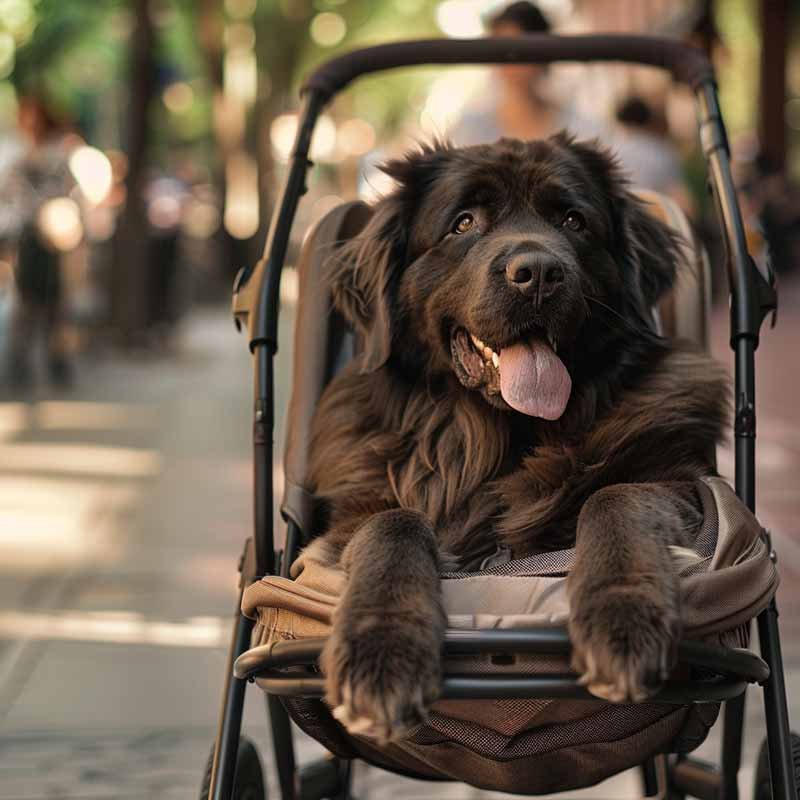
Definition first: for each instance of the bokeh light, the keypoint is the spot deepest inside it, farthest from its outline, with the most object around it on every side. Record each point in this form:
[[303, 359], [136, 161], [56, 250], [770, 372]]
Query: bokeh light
[[7, 50], [201, 217], [164, 211], [283, 130], [178, 97], [16, 14], [59, 222], [460, 19], [356, 137], [241, 75], [93, 173], [240, 9], [282, 133], [240, 36], [241, 215], [323, 144], [447, 98], [328, 29]]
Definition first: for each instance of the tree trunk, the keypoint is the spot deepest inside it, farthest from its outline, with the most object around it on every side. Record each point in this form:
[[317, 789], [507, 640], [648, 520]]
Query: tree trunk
[[130, 266], [772, 103]]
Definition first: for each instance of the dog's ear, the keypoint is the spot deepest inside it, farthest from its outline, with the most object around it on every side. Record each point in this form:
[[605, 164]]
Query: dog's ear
[[644, 244], [363, 277], [365, 273]]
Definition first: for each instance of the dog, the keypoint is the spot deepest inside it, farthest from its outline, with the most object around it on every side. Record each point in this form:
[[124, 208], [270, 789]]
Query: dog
[[512, 390]]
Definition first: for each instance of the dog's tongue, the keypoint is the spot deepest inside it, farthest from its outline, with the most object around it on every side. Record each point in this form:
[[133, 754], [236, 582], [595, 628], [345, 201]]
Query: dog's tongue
[[534, 380]]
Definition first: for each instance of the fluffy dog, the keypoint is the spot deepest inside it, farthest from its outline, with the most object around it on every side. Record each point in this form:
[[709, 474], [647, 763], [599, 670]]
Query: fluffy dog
[[511, 389]]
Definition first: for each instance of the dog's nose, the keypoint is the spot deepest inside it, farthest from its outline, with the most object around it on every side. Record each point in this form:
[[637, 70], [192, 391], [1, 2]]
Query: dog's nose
[[537, 275]]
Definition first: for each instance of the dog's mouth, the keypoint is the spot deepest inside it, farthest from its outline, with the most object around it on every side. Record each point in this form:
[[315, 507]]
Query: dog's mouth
[[527, 374]]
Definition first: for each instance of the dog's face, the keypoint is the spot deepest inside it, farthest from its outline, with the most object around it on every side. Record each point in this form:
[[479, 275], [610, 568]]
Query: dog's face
[[515, 266]]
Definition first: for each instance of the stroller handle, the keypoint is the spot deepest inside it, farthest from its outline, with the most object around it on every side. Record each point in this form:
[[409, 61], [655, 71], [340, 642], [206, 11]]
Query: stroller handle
[[686, 63]]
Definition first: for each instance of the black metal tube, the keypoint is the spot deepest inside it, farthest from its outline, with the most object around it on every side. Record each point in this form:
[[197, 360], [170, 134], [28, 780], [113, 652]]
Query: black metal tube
[[263, 332], [733, 713], [263, 318], [746, 318], [731, 756], [745, 420], [745, 311], [649, 777], [530, 687], [549, 641], [744, 334], [687, 63], [226, 746], [739, 664], [457, 687], [263, 427], [779, 738], [283, 748]]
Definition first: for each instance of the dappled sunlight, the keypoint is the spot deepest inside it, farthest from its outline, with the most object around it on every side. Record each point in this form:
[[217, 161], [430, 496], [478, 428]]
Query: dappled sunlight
[[212, 573], [114, 627], [13, 419], [16, 418], [91, 416], [79, 459], [46, 524]]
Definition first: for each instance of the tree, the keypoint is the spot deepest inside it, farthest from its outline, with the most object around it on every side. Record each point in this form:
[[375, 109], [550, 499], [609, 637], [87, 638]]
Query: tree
[[129, 270]]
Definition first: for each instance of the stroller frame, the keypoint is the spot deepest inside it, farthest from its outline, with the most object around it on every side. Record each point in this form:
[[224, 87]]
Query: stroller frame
[[255, 305]]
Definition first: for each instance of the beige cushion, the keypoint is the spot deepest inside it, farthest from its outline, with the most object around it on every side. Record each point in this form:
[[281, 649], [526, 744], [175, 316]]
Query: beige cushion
[[683, 313]]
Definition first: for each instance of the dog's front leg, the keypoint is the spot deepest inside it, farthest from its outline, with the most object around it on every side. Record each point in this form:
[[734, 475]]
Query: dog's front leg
[[624, 591], [383, 660]]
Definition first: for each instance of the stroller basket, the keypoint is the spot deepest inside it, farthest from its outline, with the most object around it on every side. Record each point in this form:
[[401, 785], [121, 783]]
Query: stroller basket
[[511, 716], [506, 642]]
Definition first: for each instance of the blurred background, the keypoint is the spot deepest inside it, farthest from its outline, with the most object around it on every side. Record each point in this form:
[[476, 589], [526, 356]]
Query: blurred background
[[142, 143]]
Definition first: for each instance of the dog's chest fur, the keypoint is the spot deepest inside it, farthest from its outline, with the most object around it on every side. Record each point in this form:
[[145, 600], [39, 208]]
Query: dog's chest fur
[[485, 477], [465, 467]]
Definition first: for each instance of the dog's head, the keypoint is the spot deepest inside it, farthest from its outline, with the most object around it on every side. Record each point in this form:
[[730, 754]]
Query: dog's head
[[518, 267]]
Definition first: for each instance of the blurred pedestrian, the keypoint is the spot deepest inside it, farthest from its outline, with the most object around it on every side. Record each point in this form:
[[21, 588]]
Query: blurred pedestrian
[[644, 147], [522, 104], [45, 224]]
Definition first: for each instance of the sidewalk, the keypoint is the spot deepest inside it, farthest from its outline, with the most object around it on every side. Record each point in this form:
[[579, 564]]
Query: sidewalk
[[123, 509]]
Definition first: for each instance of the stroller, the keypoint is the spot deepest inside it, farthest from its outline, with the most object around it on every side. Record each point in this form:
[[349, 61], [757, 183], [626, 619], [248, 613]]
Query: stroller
[[496, 659]]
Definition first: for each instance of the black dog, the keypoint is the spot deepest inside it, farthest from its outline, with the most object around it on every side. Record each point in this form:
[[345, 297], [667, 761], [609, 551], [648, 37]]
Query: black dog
[[512, 389]]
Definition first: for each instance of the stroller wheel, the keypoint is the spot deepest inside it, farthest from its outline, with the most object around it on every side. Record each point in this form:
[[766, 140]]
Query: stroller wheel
[[762, 784], [248, 783]]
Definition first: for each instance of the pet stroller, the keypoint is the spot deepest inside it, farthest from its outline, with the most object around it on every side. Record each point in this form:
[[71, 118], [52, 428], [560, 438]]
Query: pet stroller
[[511, 717]]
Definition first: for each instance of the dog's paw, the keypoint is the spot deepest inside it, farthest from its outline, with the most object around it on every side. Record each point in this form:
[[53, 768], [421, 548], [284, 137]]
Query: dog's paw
[[381, 677], [624, 643]]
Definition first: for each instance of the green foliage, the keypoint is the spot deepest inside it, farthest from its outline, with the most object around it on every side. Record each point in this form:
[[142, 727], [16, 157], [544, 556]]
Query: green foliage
[[64, 34], [738, 77], [74, 53], [287, 31]]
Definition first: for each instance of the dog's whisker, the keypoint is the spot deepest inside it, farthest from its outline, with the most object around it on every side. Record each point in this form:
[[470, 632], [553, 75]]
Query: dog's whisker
[[608, 308]]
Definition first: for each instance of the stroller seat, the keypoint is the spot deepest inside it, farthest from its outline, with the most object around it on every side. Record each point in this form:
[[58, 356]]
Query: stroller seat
[[510, 716], [510, 740]]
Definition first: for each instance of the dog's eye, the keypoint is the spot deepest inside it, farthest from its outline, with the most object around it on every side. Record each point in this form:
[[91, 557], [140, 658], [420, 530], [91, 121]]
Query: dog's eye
[[574, 221], [464, 222]]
